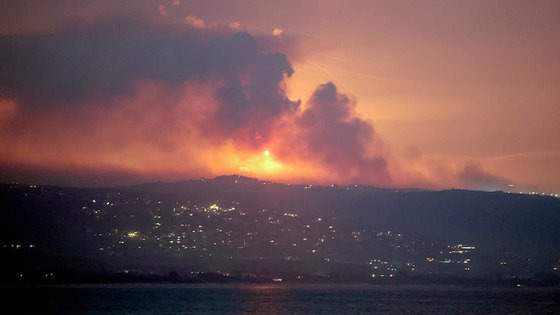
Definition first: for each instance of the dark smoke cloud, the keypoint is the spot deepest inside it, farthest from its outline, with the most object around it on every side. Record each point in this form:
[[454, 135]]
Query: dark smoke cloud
[[100, 62], [103, 64], [344, 141]]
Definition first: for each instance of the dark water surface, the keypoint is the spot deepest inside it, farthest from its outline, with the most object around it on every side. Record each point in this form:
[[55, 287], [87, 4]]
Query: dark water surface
[[279, 299]]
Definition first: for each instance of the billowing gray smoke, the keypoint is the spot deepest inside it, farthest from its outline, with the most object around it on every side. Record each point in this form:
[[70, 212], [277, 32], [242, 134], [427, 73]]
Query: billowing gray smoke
[[98, 63]]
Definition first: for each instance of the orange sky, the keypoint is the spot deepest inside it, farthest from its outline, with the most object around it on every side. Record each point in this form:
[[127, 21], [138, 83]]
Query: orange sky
[[449, 86]]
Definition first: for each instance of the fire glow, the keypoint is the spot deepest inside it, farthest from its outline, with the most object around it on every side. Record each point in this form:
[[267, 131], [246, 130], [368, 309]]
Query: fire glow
[[210, 102]]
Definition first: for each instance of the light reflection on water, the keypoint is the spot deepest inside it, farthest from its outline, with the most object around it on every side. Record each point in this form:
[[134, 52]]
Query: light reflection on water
[[282, 299]]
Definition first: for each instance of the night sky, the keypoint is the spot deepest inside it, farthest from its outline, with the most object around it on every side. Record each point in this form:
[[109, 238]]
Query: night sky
[[430, 94]]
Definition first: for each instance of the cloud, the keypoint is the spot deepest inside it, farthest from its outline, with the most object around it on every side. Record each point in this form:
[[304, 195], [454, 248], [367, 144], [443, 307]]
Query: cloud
[[144, 98], [473, 176], [104, 61], [162, 9], [277, 32], [156, 102], [195, 22], [332, 133], [234, 25]]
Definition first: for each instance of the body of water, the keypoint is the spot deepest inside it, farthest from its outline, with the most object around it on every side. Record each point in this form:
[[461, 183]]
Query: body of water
[[280, 299]]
